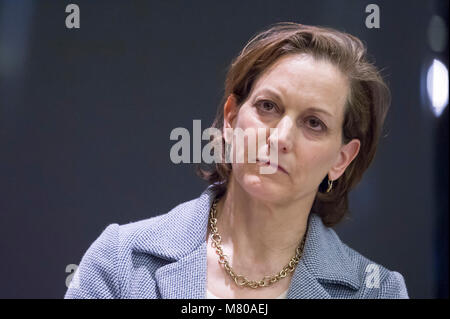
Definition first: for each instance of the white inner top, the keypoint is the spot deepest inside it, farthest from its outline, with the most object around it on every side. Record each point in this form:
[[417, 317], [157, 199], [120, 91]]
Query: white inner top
[[209, 295]]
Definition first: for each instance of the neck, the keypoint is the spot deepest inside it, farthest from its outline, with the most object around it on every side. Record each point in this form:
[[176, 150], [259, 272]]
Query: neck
[[260, 237]]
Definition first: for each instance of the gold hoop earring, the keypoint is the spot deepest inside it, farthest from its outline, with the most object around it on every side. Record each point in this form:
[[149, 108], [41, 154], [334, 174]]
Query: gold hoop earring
[[330, 186]]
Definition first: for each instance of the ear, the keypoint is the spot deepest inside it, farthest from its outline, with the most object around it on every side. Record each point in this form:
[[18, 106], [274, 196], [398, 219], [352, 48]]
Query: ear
[[230, 111], [346, 155]]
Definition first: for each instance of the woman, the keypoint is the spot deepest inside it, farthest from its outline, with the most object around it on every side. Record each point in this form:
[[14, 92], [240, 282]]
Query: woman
[[250, 234]]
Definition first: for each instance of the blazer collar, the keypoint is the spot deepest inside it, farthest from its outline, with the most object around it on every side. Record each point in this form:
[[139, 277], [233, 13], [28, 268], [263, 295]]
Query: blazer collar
[[325, 258]]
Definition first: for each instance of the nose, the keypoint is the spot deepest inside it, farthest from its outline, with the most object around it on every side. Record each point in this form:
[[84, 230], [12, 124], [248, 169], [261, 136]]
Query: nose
[[283, 139]]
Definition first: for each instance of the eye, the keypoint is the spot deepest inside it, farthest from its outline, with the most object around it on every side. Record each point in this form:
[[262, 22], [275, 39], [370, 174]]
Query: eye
[[316, 124], [266, 106]]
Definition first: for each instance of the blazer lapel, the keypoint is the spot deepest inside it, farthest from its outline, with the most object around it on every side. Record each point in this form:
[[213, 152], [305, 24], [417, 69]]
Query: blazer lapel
[[179, 238], [305, 286], [184, 279], [324, 260]]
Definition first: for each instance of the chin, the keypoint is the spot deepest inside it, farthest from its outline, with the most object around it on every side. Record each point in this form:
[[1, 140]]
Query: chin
[[264, 189]]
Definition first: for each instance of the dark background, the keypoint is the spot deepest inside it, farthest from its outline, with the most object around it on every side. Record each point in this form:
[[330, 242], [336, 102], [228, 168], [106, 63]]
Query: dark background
[[86, 114]]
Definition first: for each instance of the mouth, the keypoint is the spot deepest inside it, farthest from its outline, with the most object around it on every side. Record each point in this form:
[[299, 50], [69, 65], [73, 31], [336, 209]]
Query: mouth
[[267, 163]]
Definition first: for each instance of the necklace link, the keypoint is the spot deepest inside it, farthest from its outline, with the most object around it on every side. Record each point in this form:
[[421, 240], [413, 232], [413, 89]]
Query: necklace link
[[240, 280]]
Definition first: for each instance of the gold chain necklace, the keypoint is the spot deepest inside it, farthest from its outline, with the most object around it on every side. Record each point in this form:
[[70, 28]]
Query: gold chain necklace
[[242, 280]]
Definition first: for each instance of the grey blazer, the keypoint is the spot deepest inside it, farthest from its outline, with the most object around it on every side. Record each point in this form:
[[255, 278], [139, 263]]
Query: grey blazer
[[165, 257]]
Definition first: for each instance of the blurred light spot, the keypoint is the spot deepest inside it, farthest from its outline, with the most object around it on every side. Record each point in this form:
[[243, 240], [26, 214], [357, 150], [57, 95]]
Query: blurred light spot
[[437, 86]]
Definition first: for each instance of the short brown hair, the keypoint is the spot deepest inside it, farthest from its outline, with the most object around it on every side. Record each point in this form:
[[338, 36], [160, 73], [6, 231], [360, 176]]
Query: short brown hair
[[365, 110]]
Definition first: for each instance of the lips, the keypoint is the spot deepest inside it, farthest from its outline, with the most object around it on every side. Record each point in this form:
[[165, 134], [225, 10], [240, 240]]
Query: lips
[[267, 162]]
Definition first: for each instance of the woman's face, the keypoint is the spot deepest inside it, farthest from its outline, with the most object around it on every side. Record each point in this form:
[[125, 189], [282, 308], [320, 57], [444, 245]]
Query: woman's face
[[304, 99]]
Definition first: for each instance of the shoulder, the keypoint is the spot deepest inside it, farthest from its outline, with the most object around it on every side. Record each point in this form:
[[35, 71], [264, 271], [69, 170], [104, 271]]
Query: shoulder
[[375, 279], [344, 272], [145, 234], [104, 263]]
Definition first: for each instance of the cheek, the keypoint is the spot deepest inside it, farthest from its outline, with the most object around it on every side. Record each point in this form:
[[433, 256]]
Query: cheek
[[314, 159]]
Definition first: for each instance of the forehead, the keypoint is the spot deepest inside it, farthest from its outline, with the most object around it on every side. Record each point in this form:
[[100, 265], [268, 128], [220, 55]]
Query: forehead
[[303, 81]]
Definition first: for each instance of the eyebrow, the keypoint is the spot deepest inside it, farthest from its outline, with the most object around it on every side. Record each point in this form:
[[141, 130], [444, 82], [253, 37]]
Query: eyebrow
[[278, 96], [319, 110]]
